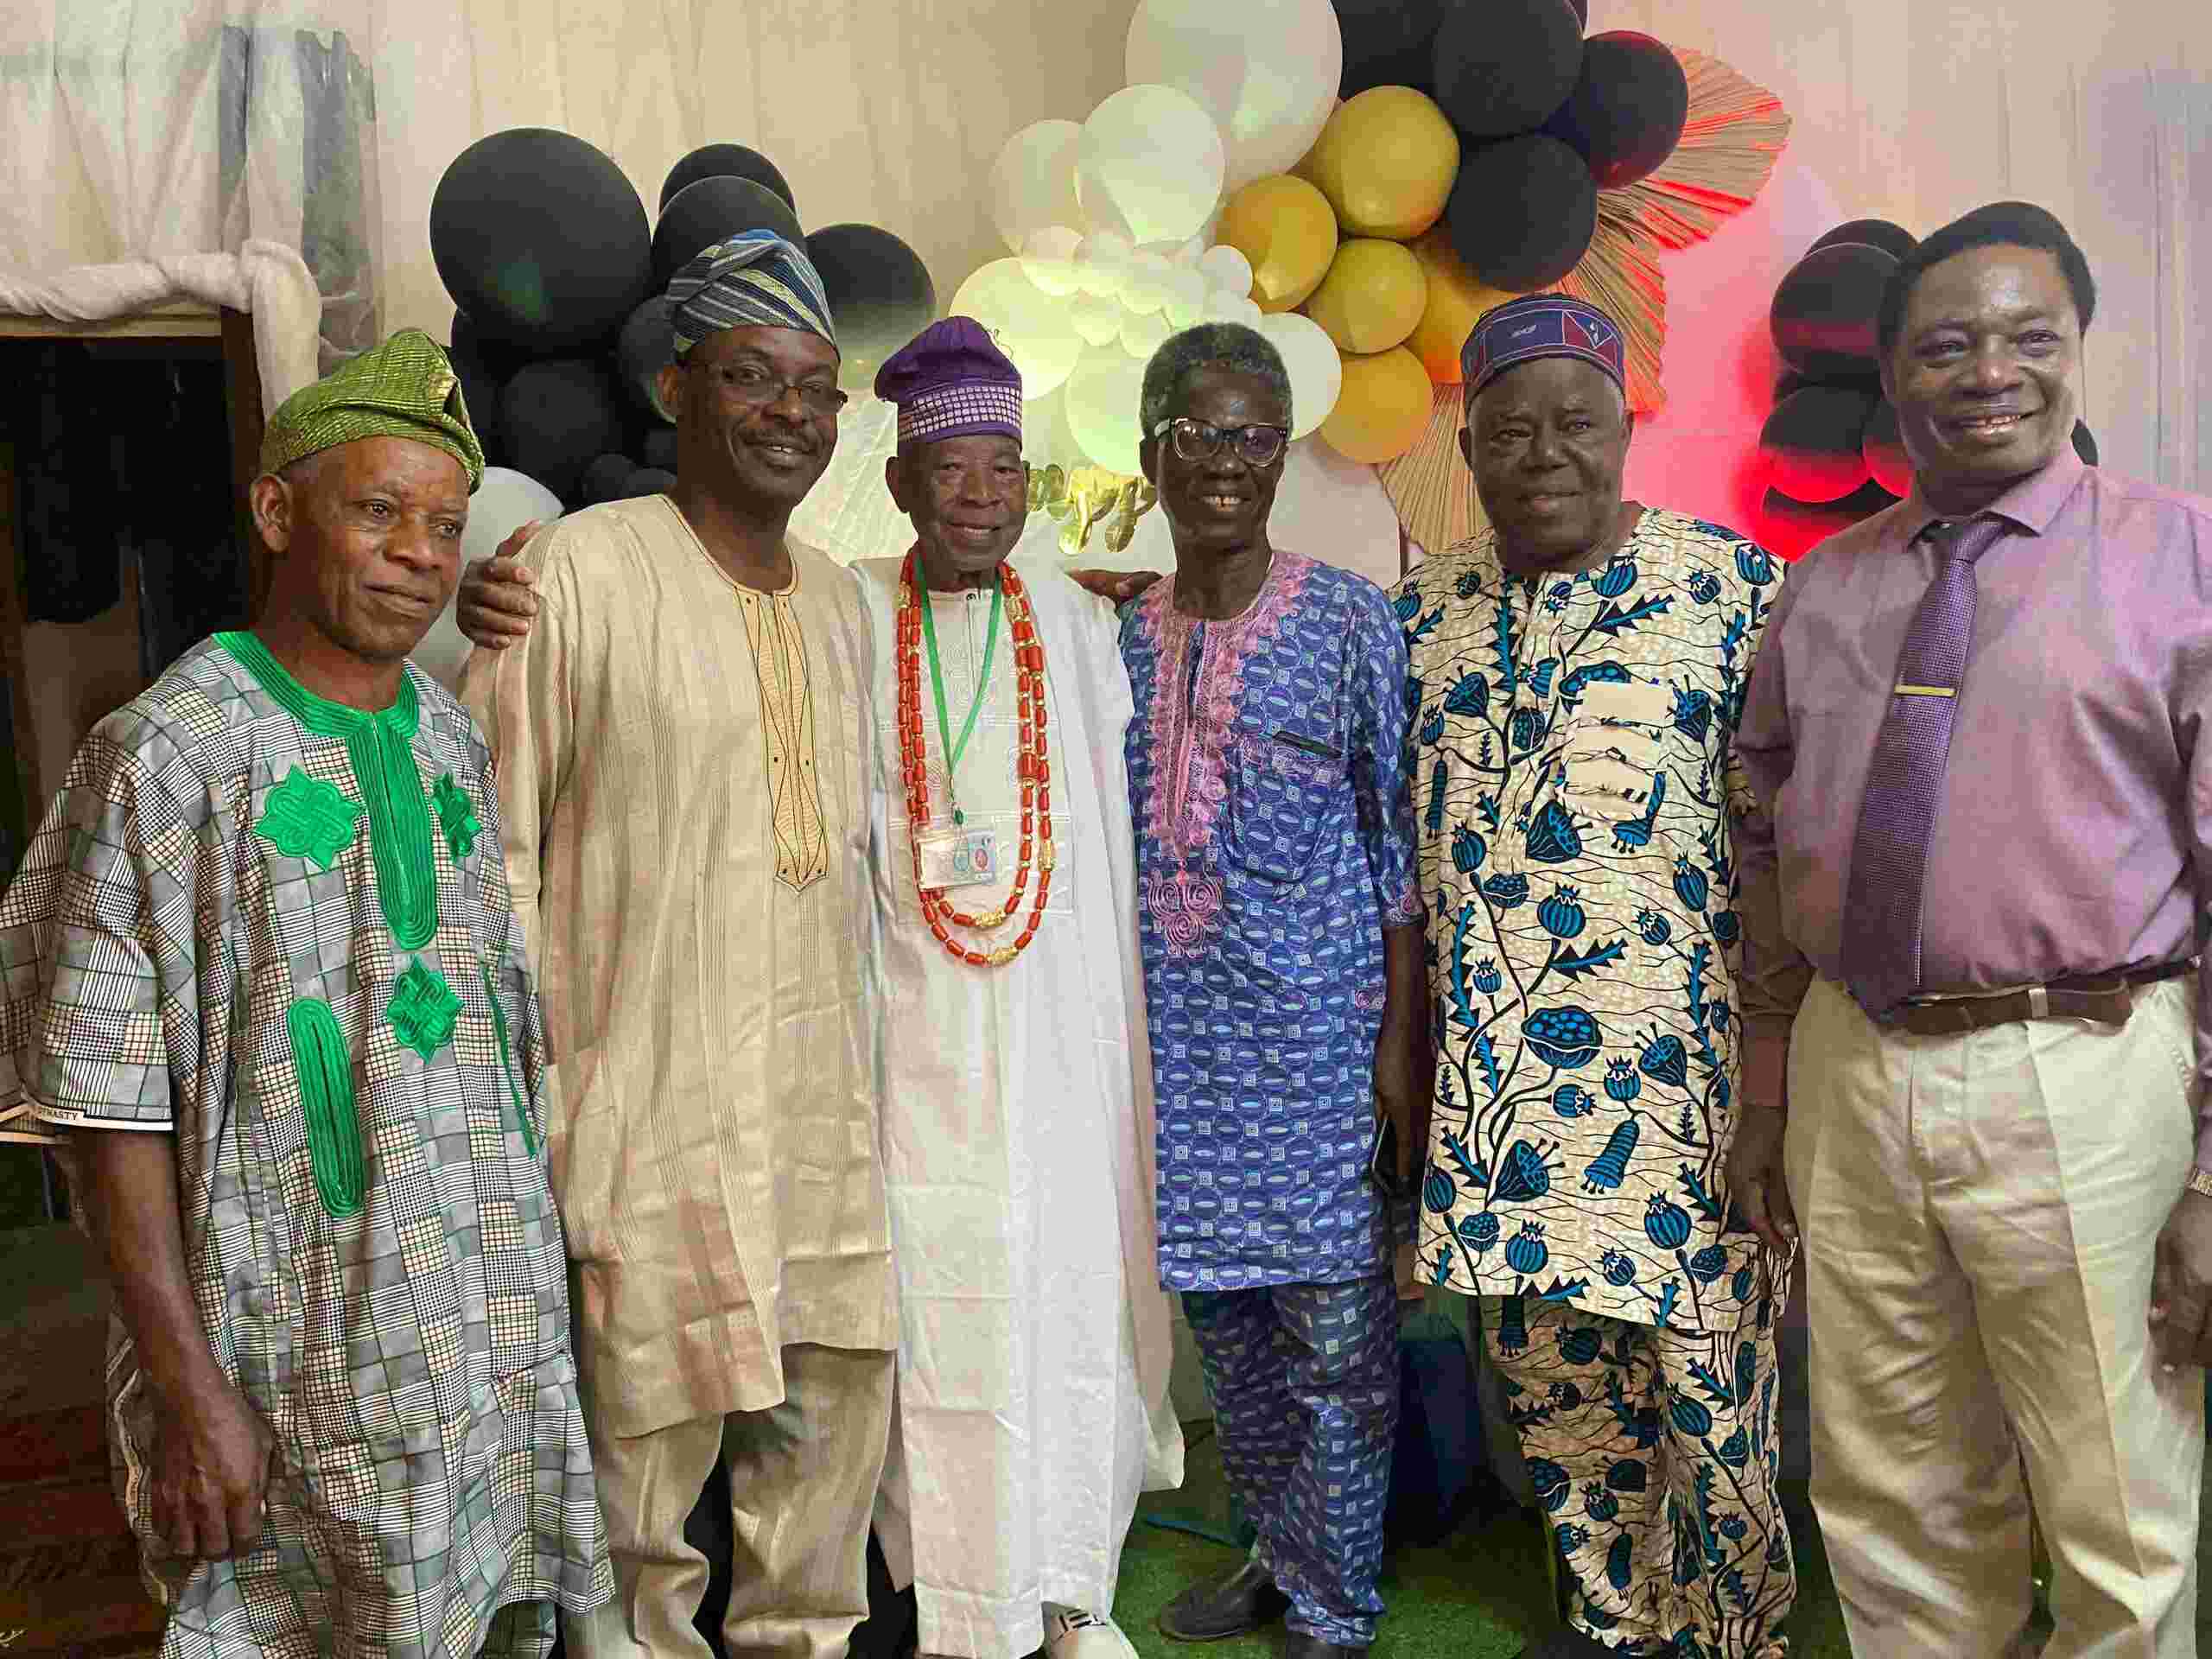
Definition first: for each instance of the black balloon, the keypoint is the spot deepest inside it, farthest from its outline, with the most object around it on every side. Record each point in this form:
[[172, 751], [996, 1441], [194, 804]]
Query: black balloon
[[2085, 445], [881, 296], [1825, 312], [1811, 444], [1626, 114], [660, 448], [725, 161], [647, 345], [1892, 240], [1415, 67], [557, 416], [1883, 450], [541, 240], [1387, 42], [1522, 212], [1793, 529], [1504, 65], [712, 210], [648, 480], [606, 479], [481, 370]]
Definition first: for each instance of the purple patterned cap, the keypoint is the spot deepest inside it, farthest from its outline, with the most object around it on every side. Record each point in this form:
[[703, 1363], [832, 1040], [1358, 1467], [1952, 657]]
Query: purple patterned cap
[[1542, 325], [952, 381]]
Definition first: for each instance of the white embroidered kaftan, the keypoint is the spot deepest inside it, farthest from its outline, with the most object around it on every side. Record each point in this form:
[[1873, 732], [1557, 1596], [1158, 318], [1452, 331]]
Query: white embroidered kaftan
[[1017, 1148]]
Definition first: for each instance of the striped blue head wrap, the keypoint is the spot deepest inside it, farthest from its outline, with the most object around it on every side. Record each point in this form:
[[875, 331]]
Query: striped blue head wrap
[[755, 280]]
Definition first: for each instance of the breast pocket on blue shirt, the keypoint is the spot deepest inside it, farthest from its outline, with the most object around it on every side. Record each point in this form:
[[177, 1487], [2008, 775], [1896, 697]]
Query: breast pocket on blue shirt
[[1284, 792]]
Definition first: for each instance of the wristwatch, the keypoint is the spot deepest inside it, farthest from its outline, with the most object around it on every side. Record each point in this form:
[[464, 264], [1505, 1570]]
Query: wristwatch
[[2200, 1181]]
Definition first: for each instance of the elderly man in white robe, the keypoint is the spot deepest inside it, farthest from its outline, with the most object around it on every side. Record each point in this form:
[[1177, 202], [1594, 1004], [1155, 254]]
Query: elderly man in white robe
[[1015, 1079]]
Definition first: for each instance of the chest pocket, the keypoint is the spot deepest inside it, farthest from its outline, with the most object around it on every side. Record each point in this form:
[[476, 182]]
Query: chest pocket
[[1285, 791], [1610, 757]]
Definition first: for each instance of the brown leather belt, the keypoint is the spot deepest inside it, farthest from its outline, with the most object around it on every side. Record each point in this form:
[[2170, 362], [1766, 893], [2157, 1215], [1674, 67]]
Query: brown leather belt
[[2107, 1002]]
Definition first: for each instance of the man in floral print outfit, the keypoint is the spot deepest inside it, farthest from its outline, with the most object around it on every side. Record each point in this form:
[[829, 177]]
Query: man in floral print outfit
[[1579, 669]]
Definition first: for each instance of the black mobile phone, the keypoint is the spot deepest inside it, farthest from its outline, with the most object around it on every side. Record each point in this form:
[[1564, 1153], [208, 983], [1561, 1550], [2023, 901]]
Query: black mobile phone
[[1382, 1158]]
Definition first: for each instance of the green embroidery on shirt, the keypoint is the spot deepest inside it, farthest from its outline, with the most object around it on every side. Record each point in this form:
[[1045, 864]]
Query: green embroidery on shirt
[[306, 817], [457, 818], [325, 1075], [381, 749], [422, 1009], [506, 1067]]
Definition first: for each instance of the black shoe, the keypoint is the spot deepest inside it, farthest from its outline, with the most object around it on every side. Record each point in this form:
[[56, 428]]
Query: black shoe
[[1302, 1646], [1244, 1601], [1568, 1643]]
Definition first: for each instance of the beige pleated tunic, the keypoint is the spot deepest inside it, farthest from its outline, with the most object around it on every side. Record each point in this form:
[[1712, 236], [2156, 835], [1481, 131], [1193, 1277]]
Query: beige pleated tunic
[[681, 770]]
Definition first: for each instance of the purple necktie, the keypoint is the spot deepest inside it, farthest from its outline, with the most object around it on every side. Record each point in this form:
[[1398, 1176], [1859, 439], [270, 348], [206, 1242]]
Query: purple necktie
[[1889, 858]]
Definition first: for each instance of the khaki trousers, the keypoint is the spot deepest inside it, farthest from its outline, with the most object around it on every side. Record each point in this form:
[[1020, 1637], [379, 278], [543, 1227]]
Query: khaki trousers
[[1979, 1215], [802, 1480]]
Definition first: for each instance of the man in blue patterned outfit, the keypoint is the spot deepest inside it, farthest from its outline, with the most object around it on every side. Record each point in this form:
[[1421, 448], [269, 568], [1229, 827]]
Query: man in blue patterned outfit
[[1579, 670], [1280, 933]]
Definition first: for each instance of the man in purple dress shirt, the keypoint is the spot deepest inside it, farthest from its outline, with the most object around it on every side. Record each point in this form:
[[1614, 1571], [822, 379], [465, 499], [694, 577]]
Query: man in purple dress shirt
[[1979, 726]]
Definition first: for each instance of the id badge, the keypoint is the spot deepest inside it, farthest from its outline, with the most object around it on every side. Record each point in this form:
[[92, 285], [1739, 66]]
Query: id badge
[[959, 858]]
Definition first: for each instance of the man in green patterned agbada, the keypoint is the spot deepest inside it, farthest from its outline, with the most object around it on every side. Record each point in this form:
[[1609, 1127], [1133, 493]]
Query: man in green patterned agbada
[[261, 965]]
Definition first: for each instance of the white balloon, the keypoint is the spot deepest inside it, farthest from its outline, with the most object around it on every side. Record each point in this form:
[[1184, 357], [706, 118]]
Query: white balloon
[[504, 502], [1143, 334], [1191, 251], [1031, 327], [1101, 263], [1046, 440], [1226, 268], [1186, 298], [1101, 403], [1032, 182], [1317, 371], [1247, 312], [1221, 306], [1268, 74], [1095, 318], [1048, 256], [1150, 165], [1150, 276]]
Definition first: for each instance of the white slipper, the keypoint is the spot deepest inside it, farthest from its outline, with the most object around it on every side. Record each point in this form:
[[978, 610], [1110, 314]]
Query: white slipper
[[1070, 1633]]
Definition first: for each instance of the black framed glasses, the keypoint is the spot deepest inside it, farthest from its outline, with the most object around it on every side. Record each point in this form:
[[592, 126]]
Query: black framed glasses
[[751, 384], [1197, 440]]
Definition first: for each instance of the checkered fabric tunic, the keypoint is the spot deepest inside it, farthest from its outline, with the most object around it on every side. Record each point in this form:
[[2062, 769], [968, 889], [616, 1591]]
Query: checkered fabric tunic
[[389, 1289]]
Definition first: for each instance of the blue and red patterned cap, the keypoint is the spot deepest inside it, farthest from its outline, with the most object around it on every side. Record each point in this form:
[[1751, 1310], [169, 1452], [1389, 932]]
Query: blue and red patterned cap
[[1542, 325]]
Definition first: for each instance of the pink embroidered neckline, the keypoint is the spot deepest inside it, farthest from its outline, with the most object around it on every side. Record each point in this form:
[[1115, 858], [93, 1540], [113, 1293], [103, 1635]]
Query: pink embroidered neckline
[[1190, 775]]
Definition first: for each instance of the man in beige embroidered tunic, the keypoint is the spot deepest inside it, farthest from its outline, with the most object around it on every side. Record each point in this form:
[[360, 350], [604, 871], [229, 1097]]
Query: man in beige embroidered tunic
[[680, 738], [260, 961]]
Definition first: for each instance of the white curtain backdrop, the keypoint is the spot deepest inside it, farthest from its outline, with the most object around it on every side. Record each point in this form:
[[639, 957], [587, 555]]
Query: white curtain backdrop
[[133, 128]]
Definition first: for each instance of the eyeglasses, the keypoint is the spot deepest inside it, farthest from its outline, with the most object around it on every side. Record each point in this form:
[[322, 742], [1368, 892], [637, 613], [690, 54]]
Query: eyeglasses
[[1194, 440], [752, 384]]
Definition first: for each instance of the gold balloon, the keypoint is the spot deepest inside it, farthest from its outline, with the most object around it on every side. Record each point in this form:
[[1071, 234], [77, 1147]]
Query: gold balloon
[[1386, 161], [1456, 299], [1382, 410], [1284, 227], [1373, 295]]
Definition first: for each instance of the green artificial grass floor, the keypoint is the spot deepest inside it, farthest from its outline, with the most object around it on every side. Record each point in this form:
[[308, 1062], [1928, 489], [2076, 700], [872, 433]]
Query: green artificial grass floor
[[1482, 1594]]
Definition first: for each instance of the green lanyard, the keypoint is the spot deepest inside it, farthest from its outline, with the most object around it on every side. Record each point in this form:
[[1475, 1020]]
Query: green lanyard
[[954, 751]]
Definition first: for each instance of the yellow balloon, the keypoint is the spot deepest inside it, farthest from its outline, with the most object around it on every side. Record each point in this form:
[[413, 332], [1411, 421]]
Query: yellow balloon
[[1373, 295], [1456, 299], [1386, 161], [1283, 226], [1383, 409]]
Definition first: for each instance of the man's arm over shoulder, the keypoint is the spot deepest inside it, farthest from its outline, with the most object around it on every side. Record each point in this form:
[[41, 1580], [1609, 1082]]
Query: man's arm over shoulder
[[1773, 976], [523, 700]]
